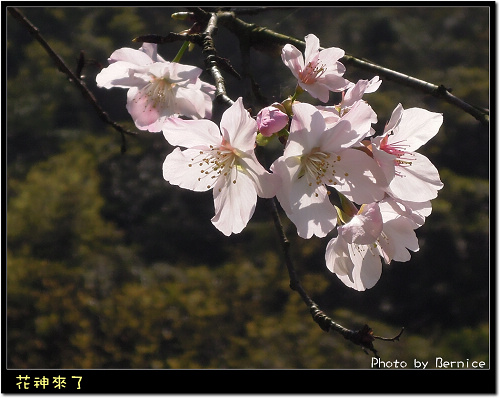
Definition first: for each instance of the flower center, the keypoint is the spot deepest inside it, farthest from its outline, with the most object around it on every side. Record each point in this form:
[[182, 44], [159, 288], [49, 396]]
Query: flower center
[[318, 167], [216, 162], [404, 158], [159, 92], [312, 72]]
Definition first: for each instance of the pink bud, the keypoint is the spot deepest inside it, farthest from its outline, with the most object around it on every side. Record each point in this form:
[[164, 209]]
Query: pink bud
[[270, 120]]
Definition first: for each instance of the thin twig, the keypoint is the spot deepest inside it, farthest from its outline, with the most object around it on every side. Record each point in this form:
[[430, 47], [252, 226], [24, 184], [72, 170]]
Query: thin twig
[[74, 78]]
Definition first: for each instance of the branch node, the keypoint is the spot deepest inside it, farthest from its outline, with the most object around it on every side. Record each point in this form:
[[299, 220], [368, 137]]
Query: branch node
[[320, 318], [395, 338]]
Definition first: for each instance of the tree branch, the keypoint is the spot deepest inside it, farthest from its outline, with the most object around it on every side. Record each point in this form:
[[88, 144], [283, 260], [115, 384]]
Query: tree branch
[[259, 37], [211, 60], [169, 38], [440, 91], [73, 77]]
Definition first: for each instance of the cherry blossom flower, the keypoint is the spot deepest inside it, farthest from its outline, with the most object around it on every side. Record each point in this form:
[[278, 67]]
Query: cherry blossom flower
[[333, 114], [316, 157], [355, 92], [318, 72], [378, 230], [222, 160], [353, 95], [271, 119], [411, 175], [157, 89]]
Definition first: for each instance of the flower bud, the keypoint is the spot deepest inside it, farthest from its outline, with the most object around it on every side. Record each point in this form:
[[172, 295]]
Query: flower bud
[[271, 119]]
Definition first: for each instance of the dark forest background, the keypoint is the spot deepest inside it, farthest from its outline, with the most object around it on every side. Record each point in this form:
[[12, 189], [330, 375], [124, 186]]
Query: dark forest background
[[108, 266]]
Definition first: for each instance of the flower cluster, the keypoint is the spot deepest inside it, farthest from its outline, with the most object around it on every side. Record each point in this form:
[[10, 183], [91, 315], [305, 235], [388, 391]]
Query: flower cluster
[[384, 187]]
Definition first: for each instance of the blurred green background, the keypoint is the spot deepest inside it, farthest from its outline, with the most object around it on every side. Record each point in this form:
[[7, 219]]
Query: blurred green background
[[108, 266]]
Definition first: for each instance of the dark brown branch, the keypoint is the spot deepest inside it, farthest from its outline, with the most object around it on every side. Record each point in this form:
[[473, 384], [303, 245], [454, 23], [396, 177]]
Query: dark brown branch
[[258, 10], [211, 60], [440, 91], [260, 37], [73, 77], [169, 38]]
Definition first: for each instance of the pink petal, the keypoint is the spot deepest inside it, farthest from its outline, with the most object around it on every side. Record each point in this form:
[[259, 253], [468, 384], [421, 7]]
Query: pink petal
[[143, 111], [293, 59]]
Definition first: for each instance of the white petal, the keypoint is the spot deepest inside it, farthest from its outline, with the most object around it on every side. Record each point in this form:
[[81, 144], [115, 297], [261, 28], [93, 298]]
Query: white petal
[[365, 227], [416, 212], [265, 183], [395, 118], [367, 266], [354, 93], [306, 129], [417, 126], [131, 55], [361, 116], [285, 172], [187, 73], [151, 49], [238, 127], [119, 74], [234, 203], [351, 129], [373, 85], [337, 257], [311, 210], [317, 90], [333, 80], [190, 103], [359, 177], [330, 115], [357, 266], [312, 48], [177, 170], [418, 182], [400, 237], [329, 57], [192, 133], [385, 161]]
